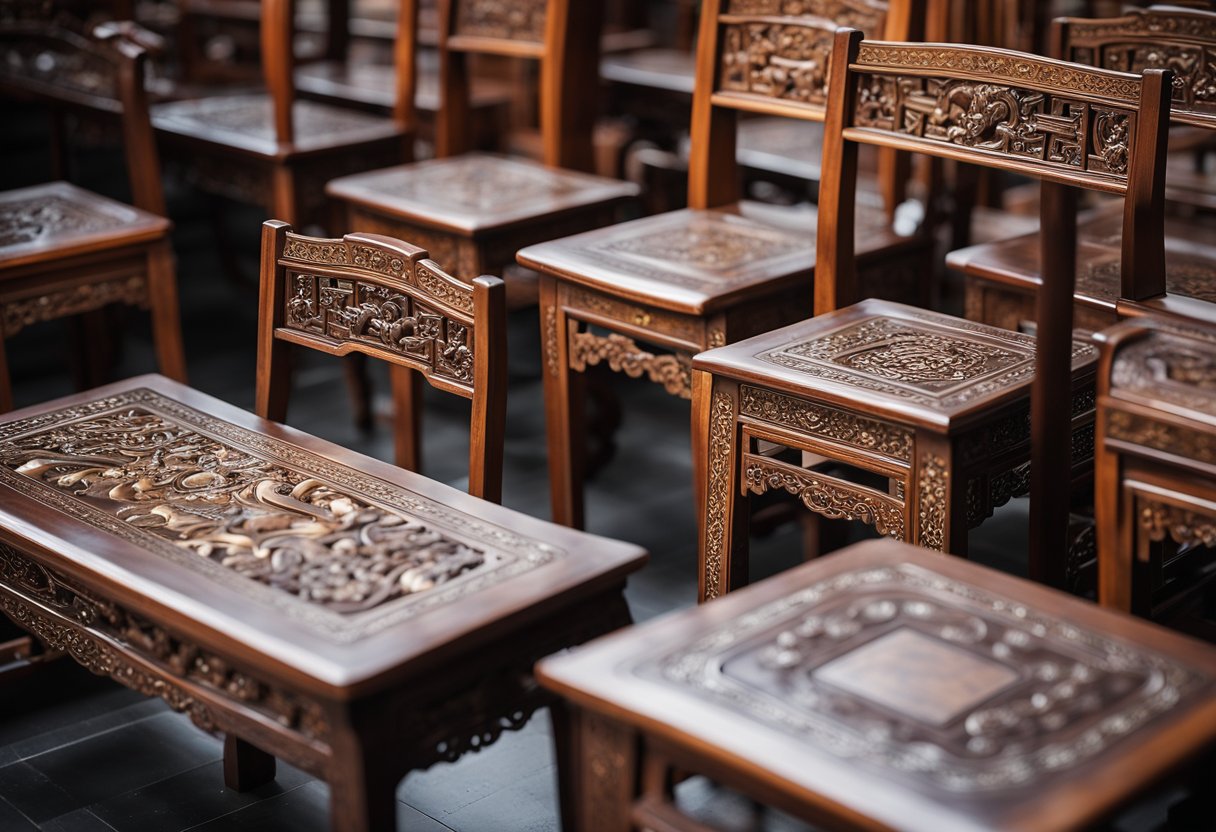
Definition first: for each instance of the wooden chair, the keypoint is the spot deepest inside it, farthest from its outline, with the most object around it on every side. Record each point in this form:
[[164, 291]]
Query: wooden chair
[[384, 298], [1001, 277], [1156, 465], [935, 408], [273, 150], [722, 270], [66, 251], [883, 688], [474, 210]]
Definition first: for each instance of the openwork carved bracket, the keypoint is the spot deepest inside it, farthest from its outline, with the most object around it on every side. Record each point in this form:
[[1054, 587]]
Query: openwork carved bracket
[[624, 355], [1185, 527], [833, 498]]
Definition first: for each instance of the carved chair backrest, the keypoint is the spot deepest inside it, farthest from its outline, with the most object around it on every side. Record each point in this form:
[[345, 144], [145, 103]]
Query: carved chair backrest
[[769, 57], [562, 35], [1058, 122], [381, 297], [100, 74], [279, 61], [1180, 40]]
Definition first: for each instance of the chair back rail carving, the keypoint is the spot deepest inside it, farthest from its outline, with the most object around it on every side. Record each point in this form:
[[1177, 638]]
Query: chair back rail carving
[[1043, 118], [98, 75], [562, 35], [1180, 40], [368, 294], [772, 57]]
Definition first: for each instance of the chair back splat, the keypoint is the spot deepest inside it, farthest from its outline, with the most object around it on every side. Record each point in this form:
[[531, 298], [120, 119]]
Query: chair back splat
[[384, 298]]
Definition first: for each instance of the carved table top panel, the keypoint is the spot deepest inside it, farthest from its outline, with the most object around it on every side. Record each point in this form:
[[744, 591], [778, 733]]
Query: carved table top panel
[[1173, 367], [908, 363], [697, 261], [477, 191], [922, 692], [312, 554], [247, 122], [49, 220]]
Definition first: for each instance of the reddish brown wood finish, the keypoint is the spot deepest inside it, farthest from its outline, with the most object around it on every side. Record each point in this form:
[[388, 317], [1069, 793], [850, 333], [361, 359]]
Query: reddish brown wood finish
[[724, 270], [64, 250], [385, 298], [845, 693], [357, 620], [1156, 464]]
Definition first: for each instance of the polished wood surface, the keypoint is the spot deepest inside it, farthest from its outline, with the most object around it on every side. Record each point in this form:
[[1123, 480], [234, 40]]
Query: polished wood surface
[[877, 689]]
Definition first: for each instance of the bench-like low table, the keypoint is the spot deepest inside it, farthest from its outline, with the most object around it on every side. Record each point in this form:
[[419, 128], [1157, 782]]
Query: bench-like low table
[[884, 687], [358, 620]]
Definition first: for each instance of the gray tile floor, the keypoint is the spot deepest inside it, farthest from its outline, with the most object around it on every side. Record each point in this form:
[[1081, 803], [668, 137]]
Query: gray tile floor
[[80, 753]]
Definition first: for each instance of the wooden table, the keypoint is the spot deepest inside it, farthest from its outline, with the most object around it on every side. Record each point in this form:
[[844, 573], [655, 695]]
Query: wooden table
[[883, 687], [351, 617]]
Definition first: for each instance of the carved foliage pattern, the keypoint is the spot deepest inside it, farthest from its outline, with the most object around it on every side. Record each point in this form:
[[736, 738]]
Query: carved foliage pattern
[[366, 312], [832, 498], [24, 221], [1031, 126], [19, 314], [826, 422], [263, 521], [932, 502], [866, 15], [1185, 527], [74, 621], [624, 355], [786, 61], [1081, 692], [720, 481]]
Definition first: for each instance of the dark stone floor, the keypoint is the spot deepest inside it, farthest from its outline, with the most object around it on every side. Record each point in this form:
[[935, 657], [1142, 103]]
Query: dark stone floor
[[81, 753]]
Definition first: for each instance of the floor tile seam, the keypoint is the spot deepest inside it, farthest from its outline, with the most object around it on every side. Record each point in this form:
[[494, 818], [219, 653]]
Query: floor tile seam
[[243, 808], [551, 768], [425, 814], [25, 759], [18, 811], [87, 810]]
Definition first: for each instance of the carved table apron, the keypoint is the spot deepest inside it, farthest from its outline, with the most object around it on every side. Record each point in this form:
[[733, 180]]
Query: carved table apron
[[356, 619]]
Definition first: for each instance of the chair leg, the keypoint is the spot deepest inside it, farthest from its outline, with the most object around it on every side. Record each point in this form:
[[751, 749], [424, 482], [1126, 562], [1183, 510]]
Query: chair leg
[[407, 416], [937, 516], [166, 313], [597, 771], [6, 387], [722, 512], [246, 766], [565, 400], [362, 795]]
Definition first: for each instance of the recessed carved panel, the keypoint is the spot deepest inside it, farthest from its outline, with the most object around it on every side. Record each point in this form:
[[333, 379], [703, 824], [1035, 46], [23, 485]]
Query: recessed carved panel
[[781, 60], [1138, 429], [519, 20], [1195, 278], [826, 422], [927, 358], [922, 678], [341, 551], [51, 305], [29, 221], [1174, 368]]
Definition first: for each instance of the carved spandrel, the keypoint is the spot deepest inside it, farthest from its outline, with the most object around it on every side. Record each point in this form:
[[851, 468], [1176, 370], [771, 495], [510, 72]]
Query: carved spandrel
[[830, 497], [26, 221], [518, 20], [364, 312], [1031, 126], [1046, 696], [340, 552]]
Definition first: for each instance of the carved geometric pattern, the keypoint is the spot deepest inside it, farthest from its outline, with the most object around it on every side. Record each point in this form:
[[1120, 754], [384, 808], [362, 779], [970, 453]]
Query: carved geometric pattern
[[367, 312], [927, 360], [826, 422], [474, 183], [70, 619], [720, 481], [266, 519], [1183, 526], [18, 314], [1005, 729], [1172, 368], [25, 221], [518, 20], [932, 500], [830, 497], [624, 355]]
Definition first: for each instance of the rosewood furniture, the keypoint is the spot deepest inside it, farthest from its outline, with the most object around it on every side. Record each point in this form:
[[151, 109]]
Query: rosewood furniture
[[720, 271], [273, 150], [1065, 124], [1156, 465], [383, 298], [882, 687], [474, 210], [65, 250], [1002, 276]]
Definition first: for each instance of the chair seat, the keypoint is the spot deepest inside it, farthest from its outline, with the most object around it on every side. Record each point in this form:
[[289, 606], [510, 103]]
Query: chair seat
[[311, 562], [1171, 371], [697, 261], [374, 85], [1190, 258], [886, 687], [58, 219], [670, 70], [476, 193], [246, 122], [894, 361]]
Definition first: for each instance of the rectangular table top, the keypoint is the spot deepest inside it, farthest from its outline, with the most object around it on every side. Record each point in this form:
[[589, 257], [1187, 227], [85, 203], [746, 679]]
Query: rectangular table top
[[911, 690], [311, 561]]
